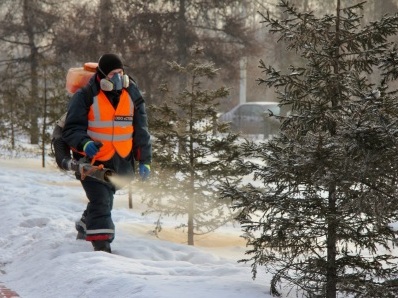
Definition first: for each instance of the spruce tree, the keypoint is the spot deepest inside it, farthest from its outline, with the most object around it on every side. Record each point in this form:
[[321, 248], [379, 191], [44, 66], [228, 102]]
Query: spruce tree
[[318, 214], [26, 33], [192, 152]]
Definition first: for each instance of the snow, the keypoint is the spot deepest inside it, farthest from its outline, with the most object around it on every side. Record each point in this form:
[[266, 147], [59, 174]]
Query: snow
[[40, 257]]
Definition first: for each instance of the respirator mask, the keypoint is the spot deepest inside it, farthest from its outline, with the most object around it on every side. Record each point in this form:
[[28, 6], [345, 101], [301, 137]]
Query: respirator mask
[[117, 82]]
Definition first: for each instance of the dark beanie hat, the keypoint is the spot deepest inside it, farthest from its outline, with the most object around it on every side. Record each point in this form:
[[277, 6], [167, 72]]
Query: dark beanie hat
[[107, 63]]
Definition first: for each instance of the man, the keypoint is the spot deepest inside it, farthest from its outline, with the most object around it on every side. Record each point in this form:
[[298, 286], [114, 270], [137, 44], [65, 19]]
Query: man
[[107, 123]]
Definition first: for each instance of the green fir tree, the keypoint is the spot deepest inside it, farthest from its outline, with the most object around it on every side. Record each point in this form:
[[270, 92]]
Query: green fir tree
[[319, 214], [193, 153]]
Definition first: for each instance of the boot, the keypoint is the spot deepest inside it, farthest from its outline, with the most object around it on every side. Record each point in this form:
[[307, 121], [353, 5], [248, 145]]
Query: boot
[[80, 236], [81, 228], [101, 245]]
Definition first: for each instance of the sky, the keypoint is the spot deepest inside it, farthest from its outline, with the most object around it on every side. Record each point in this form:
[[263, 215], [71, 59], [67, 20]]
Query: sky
[[40, 257]]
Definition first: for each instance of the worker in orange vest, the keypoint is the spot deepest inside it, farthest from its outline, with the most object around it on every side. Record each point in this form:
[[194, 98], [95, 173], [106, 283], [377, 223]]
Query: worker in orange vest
[[107, 123]]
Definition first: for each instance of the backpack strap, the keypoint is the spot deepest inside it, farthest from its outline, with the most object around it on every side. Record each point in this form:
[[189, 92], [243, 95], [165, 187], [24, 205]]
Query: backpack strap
[[89, 91], [135, 93]]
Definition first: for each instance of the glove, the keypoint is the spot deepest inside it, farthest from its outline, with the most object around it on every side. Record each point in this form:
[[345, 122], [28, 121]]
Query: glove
[[91, 149], [144, 170]]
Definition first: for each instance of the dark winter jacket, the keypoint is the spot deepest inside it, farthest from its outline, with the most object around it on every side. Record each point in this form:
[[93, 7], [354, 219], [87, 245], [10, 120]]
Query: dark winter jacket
[[75, 130]]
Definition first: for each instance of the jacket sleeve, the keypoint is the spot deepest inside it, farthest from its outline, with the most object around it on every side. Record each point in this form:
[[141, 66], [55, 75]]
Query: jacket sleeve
[[142, 148], [75, 130]]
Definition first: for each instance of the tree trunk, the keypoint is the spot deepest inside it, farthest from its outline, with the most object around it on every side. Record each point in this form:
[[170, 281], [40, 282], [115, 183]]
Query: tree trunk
[[32, 112], [190, 221], [191, 204], [43, 134], [13, 125], [182, 43], [130, 196], [331, 242], [331, 271], [105, 24]]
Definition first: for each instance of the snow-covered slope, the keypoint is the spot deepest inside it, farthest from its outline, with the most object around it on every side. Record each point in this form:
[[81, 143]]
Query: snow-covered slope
[[39, 256]]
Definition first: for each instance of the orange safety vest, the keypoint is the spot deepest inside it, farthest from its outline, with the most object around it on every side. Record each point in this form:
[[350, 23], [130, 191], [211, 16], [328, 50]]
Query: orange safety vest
[[113, 128]]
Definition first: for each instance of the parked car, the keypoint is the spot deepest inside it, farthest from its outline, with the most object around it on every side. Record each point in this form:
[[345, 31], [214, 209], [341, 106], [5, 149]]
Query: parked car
[[253, 118]]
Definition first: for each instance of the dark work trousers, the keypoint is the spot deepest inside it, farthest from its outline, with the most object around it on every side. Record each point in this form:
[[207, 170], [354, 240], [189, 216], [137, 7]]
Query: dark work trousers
[[98, 218]]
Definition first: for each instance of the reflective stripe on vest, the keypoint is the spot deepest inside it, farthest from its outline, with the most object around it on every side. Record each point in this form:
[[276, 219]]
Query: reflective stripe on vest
[[113, 128]]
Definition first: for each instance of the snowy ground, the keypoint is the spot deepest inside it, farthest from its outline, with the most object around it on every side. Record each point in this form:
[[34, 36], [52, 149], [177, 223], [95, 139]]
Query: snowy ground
[[39, 256]]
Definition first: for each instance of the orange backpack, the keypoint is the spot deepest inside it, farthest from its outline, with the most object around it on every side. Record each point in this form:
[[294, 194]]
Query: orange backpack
[[78, 77]]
